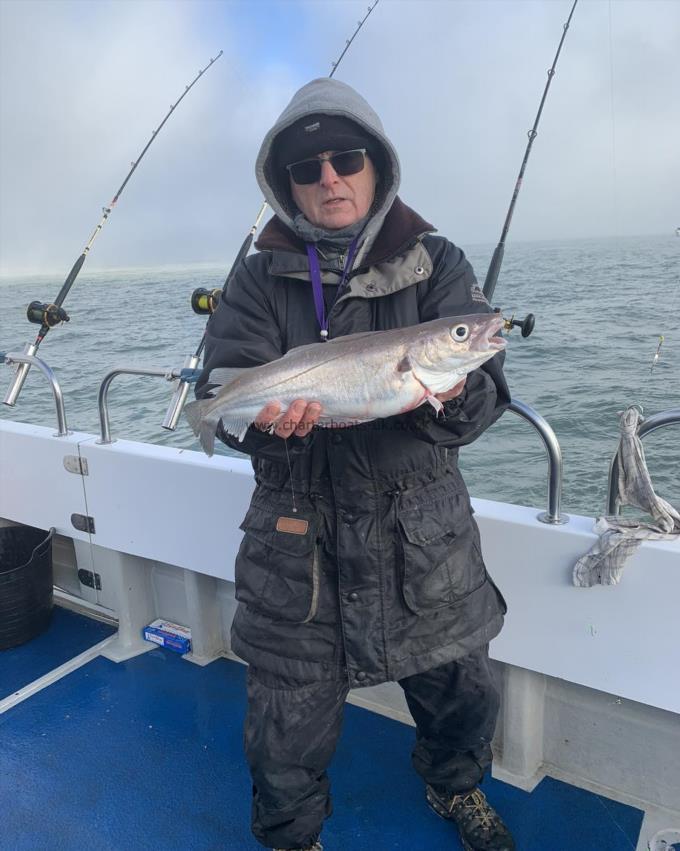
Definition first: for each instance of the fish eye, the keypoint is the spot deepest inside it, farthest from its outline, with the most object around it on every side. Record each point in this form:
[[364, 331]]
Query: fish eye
[[460, 333]]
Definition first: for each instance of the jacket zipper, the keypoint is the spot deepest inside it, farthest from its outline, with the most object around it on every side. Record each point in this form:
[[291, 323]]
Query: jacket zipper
[[315, 585]]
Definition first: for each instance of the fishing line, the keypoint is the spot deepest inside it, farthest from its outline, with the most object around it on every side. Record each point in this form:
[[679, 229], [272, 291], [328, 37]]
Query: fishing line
[[497, 259], [614, 212], [611, 105], [50, 315], [290, 476], [673, 310], [615, 193]]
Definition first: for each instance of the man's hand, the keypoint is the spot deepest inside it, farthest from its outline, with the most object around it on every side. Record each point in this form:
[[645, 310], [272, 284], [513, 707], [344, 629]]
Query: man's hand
[[299, 419], [456, 390]]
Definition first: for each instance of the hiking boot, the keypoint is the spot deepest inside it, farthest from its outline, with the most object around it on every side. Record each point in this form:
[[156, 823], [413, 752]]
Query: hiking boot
[[479, 825], [315, 846]]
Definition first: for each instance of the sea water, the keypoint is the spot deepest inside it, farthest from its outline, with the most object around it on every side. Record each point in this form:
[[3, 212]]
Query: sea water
[[600, 307]]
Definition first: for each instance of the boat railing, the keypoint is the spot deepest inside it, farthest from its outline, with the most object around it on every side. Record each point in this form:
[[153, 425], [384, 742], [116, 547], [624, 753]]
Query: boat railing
[[168, 374], [549, 438], [551, 516], [657, 421], [23, 360]]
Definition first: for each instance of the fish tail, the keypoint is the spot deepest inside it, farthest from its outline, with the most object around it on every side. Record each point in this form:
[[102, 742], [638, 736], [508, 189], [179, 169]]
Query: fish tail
[[204, 427], [207, 436], [194, 414]]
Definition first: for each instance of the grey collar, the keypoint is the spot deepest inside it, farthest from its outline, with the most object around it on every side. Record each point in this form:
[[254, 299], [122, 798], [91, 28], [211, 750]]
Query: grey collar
[[334, 240]]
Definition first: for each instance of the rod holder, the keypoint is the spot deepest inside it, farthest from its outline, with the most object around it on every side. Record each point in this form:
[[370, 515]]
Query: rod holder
[[179, 397], [168, 374], [23, 359], [665, 418], [549, 438], [20, 374]]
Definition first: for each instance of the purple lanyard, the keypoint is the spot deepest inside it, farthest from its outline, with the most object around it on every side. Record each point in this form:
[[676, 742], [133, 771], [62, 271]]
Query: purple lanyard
[[317, 287]]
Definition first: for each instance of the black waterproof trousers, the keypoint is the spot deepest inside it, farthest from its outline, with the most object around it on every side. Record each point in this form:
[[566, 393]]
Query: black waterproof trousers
[[292, 729]]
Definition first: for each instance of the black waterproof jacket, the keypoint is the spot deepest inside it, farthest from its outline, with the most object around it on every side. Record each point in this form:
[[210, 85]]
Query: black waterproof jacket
[[387, 579]]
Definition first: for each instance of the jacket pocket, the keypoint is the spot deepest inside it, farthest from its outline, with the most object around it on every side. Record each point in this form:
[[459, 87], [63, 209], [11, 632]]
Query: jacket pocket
[[442, 562], [277, 571]]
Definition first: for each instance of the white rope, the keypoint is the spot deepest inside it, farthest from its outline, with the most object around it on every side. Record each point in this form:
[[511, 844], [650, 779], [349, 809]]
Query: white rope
[[619, 537]]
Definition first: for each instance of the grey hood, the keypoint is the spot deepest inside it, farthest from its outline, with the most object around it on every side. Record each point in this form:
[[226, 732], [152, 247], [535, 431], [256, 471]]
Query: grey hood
[[330, 97]]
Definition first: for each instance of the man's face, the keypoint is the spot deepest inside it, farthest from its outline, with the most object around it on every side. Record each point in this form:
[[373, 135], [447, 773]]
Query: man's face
[[333, 201]]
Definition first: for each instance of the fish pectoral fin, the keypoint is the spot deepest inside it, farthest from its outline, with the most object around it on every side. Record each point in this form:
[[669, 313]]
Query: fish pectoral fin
[[404, 364], [436, 404], [226, 374], [438, 381]]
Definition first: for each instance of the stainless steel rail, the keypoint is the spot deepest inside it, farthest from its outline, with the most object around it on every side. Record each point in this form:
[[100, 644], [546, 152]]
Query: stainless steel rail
[[19, 376], [669, 417], [24, 361], [549, 438], [168, 374], [179, 397]]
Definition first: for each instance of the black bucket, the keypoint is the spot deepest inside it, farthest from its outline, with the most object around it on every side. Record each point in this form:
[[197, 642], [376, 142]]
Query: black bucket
[[25, 583]]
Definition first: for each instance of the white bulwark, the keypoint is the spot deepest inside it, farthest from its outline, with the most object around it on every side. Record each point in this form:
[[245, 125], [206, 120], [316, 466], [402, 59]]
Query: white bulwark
[[601, 662]]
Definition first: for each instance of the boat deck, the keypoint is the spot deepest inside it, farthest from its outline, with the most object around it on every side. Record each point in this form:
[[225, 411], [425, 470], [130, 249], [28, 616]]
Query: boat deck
[[147, 753]]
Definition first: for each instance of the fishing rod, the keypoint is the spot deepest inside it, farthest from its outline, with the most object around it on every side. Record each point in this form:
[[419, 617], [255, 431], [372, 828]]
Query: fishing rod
[[497, 259], [204, 301], [334, 65], [52, 314]]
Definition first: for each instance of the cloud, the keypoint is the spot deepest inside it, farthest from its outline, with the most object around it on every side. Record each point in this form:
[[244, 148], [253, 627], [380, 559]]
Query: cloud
[[81, 97], [457, 85]]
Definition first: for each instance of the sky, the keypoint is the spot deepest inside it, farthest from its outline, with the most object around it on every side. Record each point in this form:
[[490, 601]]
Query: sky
[[457, 84]]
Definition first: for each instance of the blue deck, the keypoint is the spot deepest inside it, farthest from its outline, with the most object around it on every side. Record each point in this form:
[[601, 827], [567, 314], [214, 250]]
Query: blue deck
[[67, 636], [147, 753]]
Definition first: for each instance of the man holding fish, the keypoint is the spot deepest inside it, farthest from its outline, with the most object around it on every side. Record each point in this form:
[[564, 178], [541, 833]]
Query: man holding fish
[[361, 560]]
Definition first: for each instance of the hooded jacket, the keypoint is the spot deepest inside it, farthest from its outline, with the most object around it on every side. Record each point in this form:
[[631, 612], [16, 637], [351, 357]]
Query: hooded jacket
[[387, 579], [328, 97]]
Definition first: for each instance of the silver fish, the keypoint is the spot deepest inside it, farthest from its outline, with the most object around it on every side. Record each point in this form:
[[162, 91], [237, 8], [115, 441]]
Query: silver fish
[[357, 378]]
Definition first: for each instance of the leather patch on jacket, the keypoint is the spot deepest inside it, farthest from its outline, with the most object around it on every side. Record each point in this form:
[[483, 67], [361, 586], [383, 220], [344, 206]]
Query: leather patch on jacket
[[292, 525]]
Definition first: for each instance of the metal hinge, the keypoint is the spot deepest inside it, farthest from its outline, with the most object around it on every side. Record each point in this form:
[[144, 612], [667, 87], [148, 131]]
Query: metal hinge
[[90, 579], [83, 523], [76, 464]]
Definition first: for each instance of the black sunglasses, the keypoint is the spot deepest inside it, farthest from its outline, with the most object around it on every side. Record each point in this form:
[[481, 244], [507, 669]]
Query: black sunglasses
[[344, 163]]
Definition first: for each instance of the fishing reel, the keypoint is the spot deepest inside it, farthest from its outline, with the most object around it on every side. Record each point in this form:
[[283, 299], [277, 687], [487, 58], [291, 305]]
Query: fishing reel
[[46, 314], [526, 324], [204, 302]]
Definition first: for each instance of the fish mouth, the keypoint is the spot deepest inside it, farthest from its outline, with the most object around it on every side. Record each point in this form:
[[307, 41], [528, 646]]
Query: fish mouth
[[489, 341], [496, 344]]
